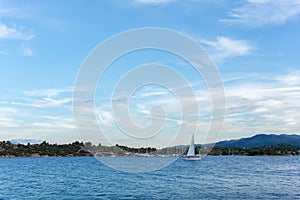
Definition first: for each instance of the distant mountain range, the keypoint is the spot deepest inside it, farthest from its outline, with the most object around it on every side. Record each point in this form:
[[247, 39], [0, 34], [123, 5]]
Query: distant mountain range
[[25, 141], [262, 140]]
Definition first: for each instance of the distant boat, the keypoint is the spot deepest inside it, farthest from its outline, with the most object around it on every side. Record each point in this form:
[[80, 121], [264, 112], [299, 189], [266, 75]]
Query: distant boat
[[191, 152]]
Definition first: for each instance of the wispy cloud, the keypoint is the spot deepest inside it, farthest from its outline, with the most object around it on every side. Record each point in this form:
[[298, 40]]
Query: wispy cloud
[[41, 98], [9, 9], [256, 103], [268, 106], [53, 125], [45, 98], [41, 117], [154, 93], [48, 92], [256, 13], [7, 117], [105, 118], [42, 103], [14, 32], [8, 110], [8, 123], [225, 47], [290, 79], [55, 118], [14, 27]]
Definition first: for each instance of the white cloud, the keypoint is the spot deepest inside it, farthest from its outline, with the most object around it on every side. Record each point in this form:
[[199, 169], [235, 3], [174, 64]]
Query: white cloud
[[153, 2], [225, 47], [256, 13], [14, 32], [43, 103], [8, 110], [258, 103], [154, 94], [54, 118], [8, 123], [290, 79], [53, 125], [48, 92], [106, 118], [268, 106], [7, 119], [58, 101], [42, 98]]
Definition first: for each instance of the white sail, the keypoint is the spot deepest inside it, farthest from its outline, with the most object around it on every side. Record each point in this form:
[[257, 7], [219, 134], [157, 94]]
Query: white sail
[[191, 151]]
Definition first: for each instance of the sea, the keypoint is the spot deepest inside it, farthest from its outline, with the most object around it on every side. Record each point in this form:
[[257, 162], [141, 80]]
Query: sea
[[214, 177]]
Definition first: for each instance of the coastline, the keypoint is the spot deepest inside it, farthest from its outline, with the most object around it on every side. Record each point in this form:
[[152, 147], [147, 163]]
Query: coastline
[[75, 149], [161, 156]]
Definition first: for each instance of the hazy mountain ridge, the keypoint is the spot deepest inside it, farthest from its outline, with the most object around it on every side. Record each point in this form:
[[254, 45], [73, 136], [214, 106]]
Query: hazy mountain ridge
[[25, 141], [262, 140]]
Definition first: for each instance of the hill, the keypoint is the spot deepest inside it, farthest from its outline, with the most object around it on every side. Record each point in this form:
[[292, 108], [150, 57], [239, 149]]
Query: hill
[[262, 140], [44, 149]]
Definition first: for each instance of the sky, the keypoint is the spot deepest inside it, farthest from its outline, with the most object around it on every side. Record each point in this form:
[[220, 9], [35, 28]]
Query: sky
[[254, 44]]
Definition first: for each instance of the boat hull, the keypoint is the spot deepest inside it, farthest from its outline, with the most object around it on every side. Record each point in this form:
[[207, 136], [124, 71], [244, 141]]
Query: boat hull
[[192, 158]]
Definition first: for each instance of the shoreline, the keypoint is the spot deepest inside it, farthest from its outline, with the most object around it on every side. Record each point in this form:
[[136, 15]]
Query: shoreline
[[75, 149], [160, 156]]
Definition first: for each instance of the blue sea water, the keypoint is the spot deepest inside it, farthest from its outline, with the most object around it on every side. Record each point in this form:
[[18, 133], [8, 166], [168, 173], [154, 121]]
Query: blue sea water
[[231, 177]]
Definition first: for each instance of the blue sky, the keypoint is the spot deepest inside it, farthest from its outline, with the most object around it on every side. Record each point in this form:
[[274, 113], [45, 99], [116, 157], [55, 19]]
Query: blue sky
[[255, 45]]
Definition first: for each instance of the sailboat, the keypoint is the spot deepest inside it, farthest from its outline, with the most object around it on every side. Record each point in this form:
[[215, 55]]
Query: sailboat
[[191, 152]]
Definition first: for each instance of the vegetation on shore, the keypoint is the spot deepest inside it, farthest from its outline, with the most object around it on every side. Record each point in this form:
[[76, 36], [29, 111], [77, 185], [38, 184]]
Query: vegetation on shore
[[7, 149], [137, 150], [272, 150]]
